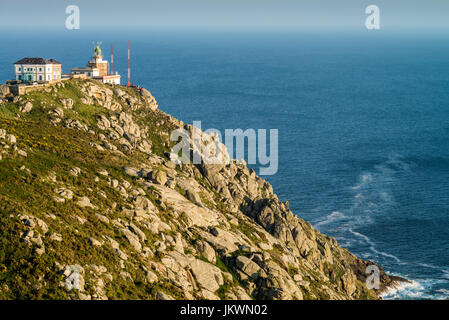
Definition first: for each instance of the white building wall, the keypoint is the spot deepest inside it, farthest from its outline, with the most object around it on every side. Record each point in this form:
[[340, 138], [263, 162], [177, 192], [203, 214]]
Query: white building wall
[[114, 80], [38, 72]]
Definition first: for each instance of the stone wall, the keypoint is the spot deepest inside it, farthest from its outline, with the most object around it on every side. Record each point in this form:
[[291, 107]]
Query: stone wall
[[21, 89], [4, 91]]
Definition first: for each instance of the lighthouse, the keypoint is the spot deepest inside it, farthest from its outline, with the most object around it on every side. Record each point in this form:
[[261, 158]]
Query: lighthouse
[[98, 68], [98, 62]]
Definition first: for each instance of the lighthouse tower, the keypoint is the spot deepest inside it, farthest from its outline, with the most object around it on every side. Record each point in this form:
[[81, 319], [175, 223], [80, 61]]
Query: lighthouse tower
[[98, 62], [98, 69]]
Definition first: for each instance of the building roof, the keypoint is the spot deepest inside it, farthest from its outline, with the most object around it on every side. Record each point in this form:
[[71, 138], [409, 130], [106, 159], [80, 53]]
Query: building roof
[[53, 61], [85, 69], [36, 61]]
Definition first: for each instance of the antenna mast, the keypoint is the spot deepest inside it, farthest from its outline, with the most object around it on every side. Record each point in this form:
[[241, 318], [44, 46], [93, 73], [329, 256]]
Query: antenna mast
[[129, 66], [112, 59]]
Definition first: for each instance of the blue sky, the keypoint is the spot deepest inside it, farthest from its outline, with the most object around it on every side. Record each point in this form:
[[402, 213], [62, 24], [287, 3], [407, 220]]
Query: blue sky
[[238, 14]]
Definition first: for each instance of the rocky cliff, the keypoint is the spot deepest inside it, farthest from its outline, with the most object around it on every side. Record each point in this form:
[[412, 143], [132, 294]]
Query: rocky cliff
[[91, 207]]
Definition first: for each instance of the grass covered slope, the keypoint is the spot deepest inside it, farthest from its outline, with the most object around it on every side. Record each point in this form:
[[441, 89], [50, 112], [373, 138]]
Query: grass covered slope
[[91, 207]]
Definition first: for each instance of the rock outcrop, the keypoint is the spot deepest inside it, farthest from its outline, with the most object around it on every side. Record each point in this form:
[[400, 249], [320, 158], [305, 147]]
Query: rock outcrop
[[98, 210]]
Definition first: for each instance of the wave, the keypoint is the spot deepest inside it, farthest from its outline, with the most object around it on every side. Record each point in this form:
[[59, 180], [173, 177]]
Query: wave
[[445, 273], [405, 290], [417, 290], [444, 292], [431, 288]]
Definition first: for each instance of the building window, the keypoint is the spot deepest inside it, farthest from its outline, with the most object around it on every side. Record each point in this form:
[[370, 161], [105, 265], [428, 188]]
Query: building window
[[20, 77], [40, 78]]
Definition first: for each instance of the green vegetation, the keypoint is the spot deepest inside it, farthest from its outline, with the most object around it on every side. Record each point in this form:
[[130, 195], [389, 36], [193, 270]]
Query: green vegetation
[[55, 150], [37, 180]]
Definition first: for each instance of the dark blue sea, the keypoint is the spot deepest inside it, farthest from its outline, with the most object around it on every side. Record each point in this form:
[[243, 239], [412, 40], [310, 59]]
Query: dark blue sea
[[363, 120]]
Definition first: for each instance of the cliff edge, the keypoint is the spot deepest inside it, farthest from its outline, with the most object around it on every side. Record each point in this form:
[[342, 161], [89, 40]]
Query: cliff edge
[[91, 207]]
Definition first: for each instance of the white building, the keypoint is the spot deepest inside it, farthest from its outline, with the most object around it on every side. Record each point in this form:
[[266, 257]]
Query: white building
[[88, 72], [37, 69]]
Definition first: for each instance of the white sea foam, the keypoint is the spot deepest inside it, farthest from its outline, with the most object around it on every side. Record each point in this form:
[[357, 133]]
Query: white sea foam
[[416, 289], [445, 273], [444, 292], [372, 200], [372, 246], [334, 216], [431, 266], [365, 179], [405, 290], [385, 196], [372, 197]]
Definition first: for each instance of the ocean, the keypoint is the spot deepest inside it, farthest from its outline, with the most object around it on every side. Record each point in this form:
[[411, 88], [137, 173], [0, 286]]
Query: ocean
[[363, 120]]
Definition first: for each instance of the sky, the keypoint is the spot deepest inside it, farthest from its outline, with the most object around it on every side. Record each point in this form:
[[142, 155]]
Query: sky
[[232, 14]]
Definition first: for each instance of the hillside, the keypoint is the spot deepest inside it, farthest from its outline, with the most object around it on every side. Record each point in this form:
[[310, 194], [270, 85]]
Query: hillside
[[89, 201]]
